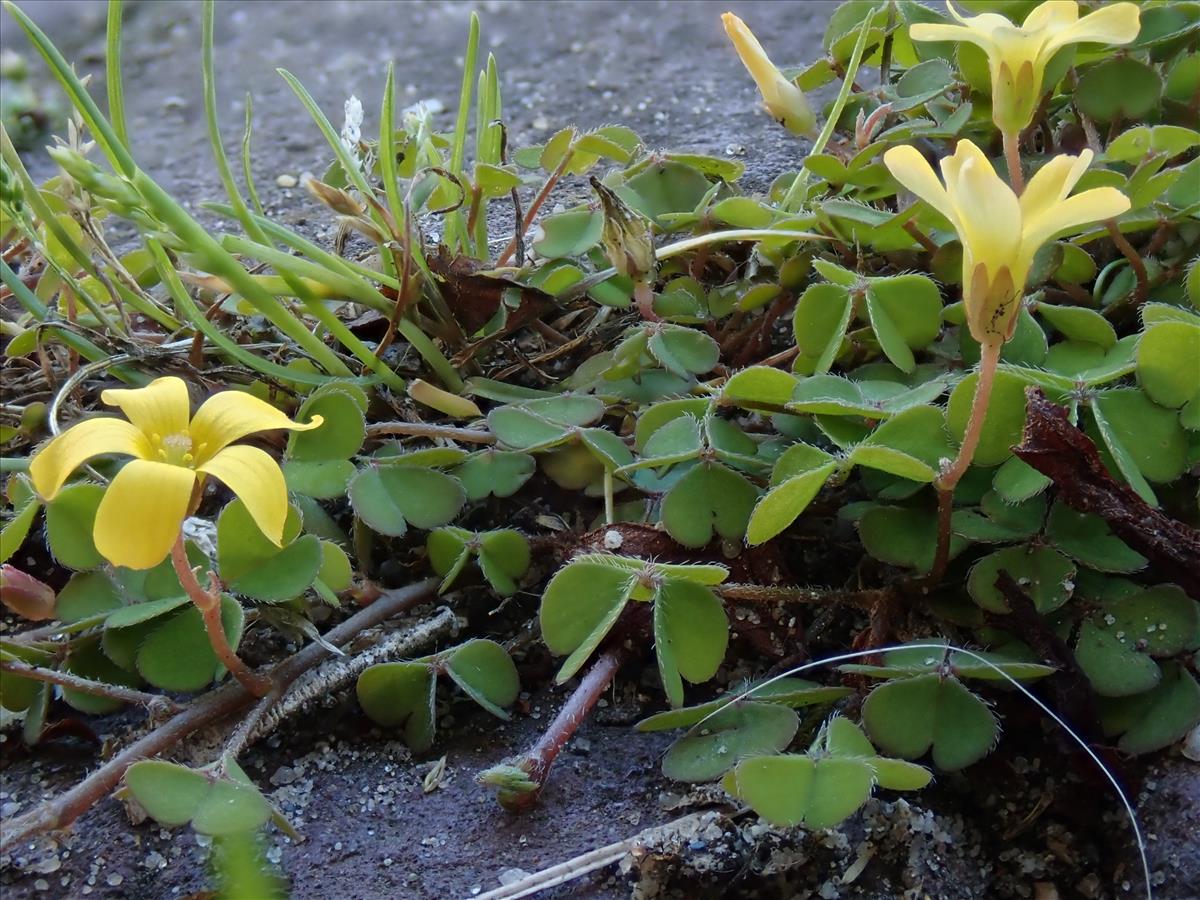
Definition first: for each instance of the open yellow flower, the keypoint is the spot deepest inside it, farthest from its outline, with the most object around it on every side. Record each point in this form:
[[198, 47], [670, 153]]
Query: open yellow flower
[[999, 232], [142, 511], [784, 101], [1017, 56]]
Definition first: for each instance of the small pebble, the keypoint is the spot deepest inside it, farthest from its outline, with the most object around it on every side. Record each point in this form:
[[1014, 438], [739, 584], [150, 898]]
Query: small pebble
[[286, 181]]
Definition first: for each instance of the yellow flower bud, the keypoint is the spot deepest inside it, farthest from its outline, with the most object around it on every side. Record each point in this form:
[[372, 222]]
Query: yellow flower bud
[[784, 101]]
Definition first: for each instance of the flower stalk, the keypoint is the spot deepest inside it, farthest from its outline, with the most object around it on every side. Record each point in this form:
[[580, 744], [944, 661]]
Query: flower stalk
[[209, 603]]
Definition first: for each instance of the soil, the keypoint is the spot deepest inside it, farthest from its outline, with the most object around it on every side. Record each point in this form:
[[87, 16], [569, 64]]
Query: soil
[[1021, 826]]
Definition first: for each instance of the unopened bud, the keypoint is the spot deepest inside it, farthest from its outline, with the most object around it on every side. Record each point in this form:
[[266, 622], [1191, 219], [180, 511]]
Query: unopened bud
[[25, 595], [363, 226], [335, 198], [784, 101], [628, 239], [93, 179], [10, 188]]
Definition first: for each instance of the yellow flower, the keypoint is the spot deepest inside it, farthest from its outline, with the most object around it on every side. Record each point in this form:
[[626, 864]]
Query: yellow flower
[[142, 511], [784, 101], [999, 232], [1017, 56]]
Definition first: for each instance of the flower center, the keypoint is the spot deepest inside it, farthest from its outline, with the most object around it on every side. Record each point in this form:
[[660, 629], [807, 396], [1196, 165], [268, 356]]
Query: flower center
[[174, 449]]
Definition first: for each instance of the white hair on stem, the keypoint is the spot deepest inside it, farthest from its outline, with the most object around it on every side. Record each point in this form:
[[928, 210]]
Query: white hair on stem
[[947, 647]]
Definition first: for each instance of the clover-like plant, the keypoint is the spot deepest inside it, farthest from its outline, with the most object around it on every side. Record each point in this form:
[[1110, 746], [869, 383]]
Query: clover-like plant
[[216, 800], [585, 598], [760, 719], [139, 517], [824, 786], [502, 554], [405, 693]]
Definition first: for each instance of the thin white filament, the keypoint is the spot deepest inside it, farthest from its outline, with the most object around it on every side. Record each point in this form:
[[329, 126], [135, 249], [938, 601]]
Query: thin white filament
[[1029, 695]]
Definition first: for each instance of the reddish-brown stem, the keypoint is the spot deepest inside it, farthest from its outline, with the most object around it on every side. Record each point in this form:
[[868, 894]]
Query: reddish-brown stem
[[209, 604], [87, 685], [949, 477], [539, 760], [534, 207], [784, 595], [61, 811], [643, 296], [920, 237], [1135, 260], [1012, 154], [402, 294]]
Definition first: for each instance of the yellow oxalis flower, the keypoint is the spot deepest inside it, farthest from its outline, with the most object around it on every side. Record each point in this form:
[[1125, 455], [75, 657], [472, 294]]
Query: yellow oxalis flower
[[999, 232], [784, 101], [142, 511], [1017, 56]]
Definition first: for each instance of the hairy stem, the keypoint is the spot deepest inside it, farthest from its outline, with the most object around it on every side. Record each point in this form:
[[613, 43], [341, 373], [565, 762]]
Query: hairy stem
[[87, 685], [949, 477], [209, 604], [1012, 154], [427, 430], [62, 810], [532, 212], [1135, 260], [784, 594], [539, 760]]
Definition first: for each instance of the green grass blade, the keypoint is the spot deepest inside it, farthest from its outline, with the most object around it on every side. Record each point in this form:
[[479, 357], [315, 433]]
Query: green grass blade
[[213, 258], [351, 166], [35, 307], [350, 341], [247, 173], [112, 72], [192, 312], [355, 289], [458, 152], [352, 287], [387, 149], [213, 125], [456, 224], [793, 198], [106, 137], [44, 214], [331, 262]]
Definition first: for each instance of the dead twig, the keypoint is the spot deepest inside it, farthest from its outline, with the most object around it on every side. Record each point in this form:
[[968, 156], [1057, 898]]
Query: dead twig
[[88, 686], [426, 430], [62, 810], [1063, 453]]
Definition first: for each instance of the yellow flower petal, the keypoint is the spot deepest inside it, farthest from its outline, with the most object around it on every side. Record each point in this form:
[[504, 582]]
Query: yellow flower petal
[[1052, 15], [1052, 183], [1115, 23], [54, 463], [986, 23], [988, 213], [910, 168], [1095, 205], [230, 415], [162, 407], [258, 482], [141, 513], [931, 31]]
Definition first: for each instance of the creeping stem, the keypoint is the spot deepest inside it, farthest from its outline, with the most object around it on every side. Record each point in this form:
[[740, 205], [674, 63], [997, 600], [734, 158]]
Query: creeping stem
[[209, 604]]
